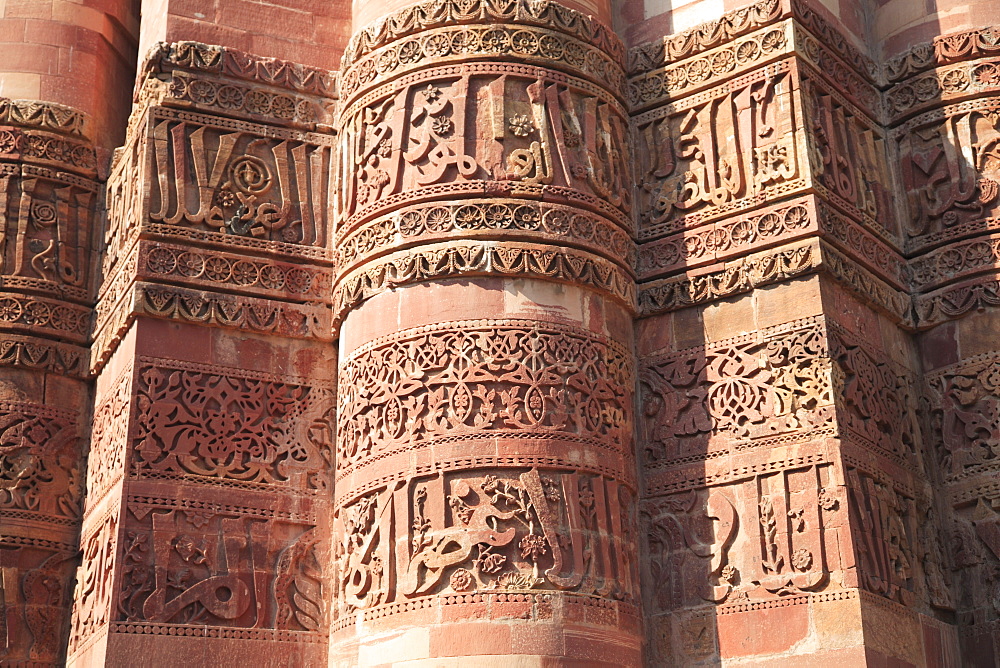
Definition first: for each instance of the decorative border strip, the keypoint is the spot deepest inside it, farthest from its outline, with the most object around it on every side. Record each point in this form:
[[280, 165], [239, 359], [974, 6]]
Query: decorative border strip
[[943, 50], [238, 64], [494, 41], [670, 49], [438, 13], [468, 259], [498, 218], [42, 115], [786, 601], [270, 635]]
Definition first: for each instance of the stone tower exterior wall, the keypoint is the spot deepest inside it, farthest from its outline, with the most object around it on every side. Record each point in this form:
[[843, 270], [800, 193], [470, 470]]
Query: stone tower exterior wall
[[499, 332]]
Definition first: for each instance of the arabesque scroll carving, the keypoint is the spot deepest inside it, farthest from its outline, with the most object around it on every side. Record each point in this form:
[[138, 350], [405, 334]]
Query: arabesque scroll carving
[[483, 379]]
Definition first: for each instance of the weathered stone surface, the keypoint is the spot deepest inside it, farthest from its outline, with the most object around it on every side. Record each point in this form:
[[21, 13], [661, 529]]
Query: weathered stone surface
[[499, 332]]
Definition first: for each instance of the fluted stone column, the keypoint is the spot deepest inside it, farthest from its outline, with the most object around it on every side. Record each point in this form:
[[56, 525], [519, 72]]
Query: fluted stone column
[[62, 109], [943, 90], [207, 512], [485, 481], [786, 507]]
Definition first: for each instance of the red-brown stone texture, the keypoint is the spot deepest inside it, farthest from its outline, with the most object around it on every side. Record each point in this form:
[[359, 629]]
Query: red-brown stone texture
[[499, 333]]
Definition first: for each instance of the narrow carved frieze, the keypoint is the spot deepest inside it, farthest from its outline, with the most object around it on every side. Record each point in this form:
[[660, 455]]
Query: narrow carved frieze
[[430, 15], [755, 50], [943, 50], [652, 55], [732, 278], [727, 239], [470, 259], [503, 218]]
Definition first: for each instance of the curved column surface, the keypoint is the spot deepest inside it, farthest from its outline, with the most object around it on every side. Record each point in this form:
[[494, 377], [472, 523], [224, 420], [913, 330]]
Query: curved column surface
[[290, 33], [65, 77], [485, 480], [943, 73], [76, 54]]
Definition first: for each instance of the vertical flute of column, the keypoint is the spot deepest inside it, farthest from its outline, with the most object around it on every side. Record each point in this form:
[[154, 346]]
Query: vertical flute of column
[[60, 112], [943, 91], [208, 494], [485, 481]]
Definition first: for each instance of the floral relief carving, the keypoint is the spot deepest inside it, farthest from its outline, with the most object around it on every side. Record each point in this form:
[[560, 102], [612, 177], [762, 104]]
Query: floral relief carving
[[742, 275], [681, 78], [482, 259], [234, 271], [694, 247], [651, 55], [429, 15], [465, 42], [109, 436], [941, 85], [955, 261], [493, 460], [240, 65], [965, 400], [482, 378], [212, 423], [31, 353], [873, 397], [40, 461], [493, 217], [752, 388], [43, 115], [943, 50], [247, 101], [48, 149]]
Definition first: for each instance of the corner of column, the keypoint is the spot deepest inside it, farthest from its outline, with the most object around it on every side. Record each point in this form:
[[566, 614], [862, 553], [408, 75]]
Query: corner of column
[[207, 526]]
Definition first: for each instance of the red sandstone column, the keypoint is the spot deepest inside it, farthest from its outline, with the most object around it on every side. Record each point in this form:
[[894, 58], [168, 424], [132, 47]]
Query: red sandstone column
[[485, 481], [943, 77], [787, 516], [206, 535], [65, 70]]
